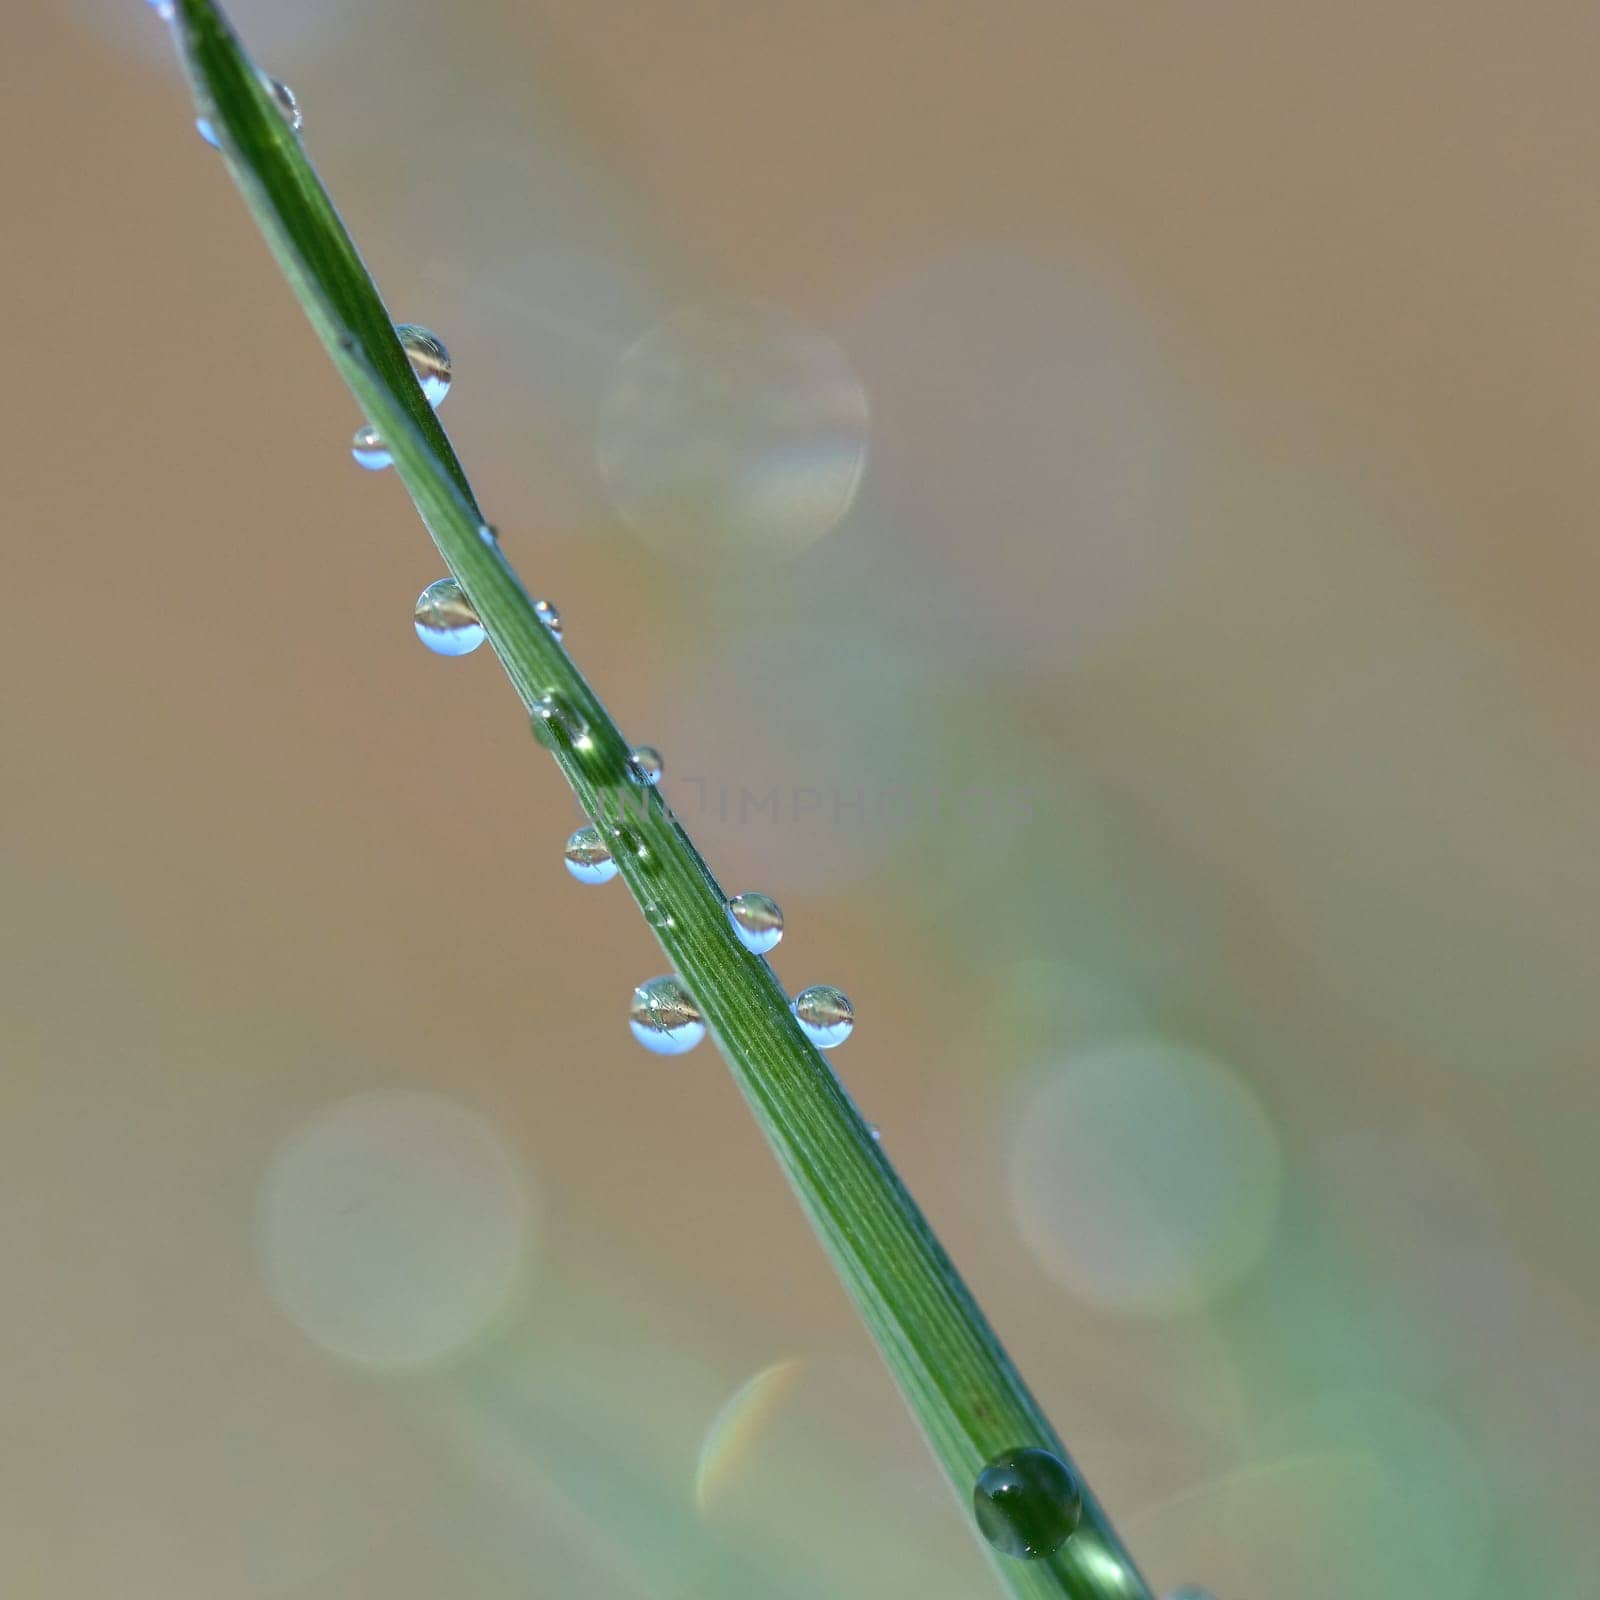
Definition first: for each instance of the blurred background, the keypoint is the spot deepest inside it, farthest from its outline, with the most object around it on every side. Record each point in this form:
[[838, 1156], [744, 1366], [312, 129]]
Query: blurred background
[[1095, 503]]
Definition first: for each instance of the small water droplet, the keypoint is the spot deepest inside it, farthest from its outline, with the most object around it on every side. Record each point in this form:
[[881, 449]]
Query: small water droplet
[[445, 621], [165, 9], [657, 915], [1026, 1503], [555, 722], [876, 1132], [825, 1014], [369, 450], [429, 360], [644, 764], [549, 616], [202, 126], [664, 1017], [287, 104], [758, 920], [588, 859], [489, 534]]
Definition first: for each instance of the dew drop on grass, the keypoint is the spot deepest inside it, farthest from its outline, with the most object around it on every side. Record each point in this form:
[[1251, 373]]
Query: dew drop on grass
[[287, 104], [202, 126], [429, 360], [555, 723], [658, 915], [758, 921], [664, 1017], [445, 620], [549, 616], [368, 449], [825, 1015], [644, 764], [1026, 1503], [587, 858]]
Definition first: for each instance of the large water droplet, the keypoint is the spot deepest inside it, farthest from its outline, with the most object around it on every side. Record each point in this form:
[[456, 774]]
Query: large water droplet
[[825, 1014], [429, 360], [549, 616], [588, 859], [445, 620], [664, 1017], [1026, 1503], [368, 449], [758, 920], [287, 104], [644, 764]]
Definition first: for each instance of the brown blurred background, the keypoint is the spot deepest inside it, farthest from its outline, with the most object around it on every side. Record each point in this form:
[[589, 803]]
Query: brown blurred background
[[1208, 639]]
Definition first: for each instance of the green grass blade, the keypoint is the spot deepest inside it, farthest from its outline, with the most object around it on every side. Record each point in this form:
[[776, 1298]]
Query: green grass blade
[[954, 1374]]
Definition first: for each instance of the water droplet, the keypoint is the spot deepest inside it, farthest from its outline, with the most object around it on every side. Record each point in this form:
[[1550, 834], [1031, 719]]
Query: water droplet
[[429, 360], [287, 104], [657, 915], [664, 1017], [202, 126], [489, 534], [554, 723], [825, 1014], [445, 620], [369, 450], [758, 920], [1026, 1503], [165, 9], [876, 1132], [644, 764], [549, 616], [588, 859]]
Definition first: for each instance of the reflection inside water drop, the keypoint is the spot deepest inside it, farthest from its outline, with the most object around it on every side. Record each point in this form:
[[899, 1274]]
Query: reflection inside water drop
[[445, 621], [429, 360], [758, 921], [825, 1015], [664, 1017], [1026, 1503], [368, 449], [587, 857]]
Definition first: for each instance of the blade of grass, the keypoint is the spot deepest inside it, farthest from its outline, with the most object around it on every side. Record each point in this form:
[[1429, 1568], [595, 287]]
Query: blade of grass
[[958, 1381]]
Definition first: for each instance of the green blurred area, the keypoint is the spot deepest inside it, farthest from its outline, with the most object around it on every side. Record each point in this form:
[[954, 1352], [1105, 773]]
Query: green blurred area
[[1182, 740]]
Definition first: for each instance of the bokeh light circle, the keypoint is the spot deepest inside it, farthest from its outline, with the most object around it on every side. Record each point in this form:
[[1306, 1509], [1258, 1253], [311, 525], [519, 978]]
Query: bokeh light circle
[[392, 1228], [730, 430], [1145, 1176]]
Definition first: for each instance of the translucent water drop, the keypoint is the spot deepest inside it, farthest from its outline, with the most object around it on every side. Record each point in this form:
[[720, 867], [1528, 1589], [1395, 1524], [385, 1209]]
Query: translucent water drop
[[657, 915], [202, 126], [549, 616], [555, 722], [429, 360], [165, 9], [876, 1132], [1026, 1503], [368, 449], [644, 764], [758, 920], [489, 534], [445, 620], [825, 1014], [664, 1017], [287, 104], [588, 859]]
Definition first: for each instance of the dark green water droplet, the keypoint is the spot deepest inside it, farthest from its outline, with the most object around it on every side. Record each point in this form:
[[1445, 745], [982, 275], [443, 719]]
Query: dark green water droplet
[[1026, 1503]]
